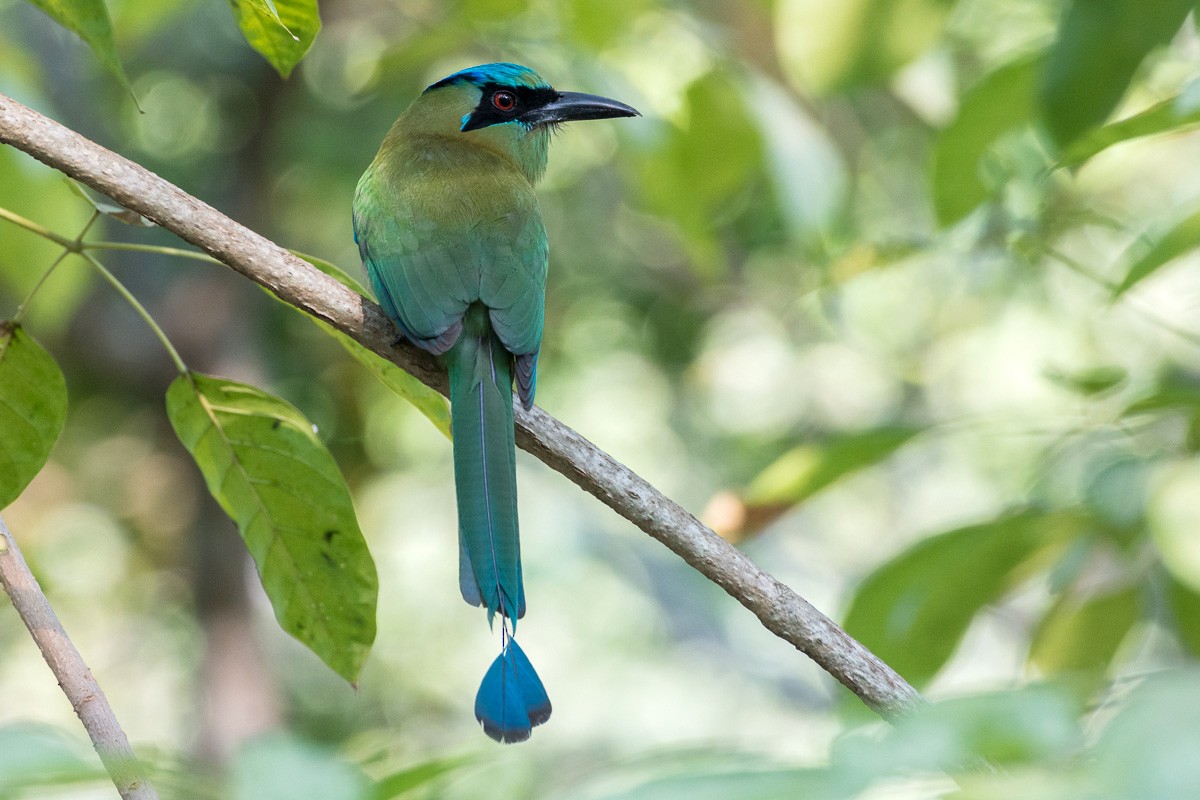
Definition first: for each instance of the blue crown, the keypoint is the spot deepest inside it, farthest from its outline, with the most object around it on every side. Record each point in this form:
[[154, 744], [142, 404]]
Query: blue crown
[[501, 73]]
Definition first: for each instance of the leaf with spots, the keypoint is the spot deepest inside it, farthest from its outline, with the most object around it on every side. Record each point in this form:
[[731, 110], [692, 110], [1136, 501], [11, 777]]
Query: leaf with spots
[[33, 408], [264, 464]]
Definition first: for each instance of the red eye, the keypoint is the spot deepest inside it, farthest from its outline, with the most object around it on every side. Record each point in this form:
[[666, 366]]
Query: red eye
[[504, 101]]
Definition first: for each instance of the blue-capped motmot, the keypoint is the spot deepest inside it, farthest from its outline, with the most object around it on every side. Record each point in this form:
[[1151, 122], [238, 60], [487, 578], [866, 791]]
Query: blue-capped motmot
[[449, 228]]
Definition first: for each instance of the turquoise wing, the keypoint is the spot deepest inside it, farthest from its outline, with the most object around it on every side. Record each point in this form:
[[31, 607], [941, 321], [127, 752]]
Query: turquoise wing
[[430, 253]]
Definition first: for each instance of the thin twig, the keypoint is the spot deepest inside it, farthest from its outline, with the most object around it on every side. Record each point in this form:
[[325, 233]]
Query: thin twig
[[140, 309], [68, 248], [33, 227], [72, 673], [779, 608]]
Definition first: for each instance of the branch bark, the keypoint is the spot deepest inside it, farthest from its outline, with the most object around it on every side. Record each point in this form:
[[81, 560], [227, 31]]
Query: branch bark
[[780, 609], [72, 673]]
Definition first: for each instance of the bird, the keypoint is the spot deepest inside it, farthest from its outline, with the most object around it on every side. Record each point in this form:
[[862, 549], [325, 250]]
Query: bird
[[451, 234]]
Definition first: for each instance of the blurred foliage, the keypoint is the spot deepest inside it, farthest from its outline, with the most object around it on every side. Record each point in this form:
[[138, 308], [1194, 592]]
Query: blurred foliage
[[1100, 44], [1021, 743], [907, 290]]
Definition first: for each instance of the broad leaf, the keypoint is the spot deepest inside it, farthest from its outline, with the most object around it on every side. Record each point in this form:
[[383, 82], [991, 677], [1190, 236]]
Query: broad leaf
[[1099, 47], [88, 19], [1156, 249], [1084, 636], [833, 44], [913, 610], [429, 402], [282, 30], [273, 476], [33, 408], [999, 103]]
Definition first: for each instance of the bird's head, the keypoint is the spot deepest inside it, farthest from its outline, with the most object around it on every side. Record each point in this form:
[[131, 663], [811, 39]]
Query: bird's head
[[507, 108]]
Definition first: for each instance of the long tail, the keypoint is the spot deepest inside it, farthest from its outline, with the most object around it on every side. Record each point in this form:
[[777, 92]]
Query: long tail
[[511, 699], [485, 469]]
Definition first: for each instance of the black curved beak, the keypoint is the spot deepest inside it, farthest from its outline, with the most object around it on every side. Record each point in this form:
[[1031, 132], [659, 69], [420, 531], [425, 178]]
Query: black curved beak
[[571, 106]]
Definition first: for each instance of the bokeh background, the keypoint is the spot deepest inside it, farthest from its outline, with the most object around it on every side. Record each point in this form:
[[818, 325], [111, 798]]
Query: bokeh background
[[845, 289]]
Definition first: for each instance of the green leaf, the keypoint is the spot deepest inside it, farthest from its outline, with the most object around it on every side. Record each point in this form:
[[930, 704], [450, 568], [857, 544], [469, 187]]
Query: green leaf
[[1157, 248], [273, 476], [1170, 115], [1099, 47], [797, 475], [834, 44], [707, 168], [1000, 102], [33, 408], [805, 470], [413, 777], [913, 610], [1176, 391], [433, 405], [281, 31], [88, 19], [1084, 636], [1089, 381]]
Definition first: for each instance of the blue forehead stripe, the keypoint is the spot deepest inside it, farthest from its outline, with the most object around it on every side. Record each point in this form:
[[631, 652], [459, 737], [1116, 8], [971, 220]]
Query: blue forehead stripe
[[502, 73]]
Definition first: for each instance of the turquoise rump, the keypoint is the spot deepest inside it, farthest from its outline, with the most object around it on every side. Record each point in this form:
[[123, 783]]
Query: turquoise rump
[[449, 228]]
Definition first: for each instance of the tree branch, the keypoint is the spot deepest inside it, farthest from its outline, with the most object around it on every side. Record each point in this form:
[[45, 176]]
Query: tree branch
[[780, 609], [72, 673]]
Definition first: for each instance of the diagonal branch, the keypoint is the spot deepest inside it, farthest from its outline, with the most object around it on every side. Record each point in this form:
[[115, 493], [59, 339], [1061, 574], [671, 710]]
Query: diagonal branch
[[780, 609], [72, 673]]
